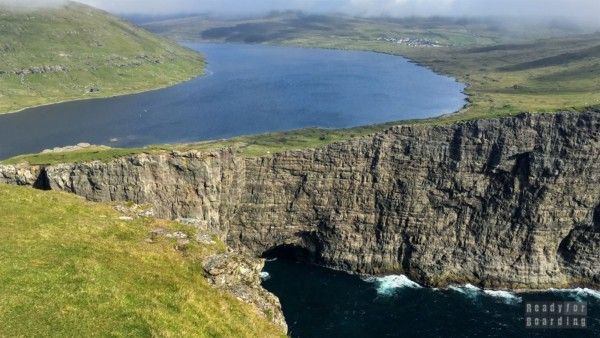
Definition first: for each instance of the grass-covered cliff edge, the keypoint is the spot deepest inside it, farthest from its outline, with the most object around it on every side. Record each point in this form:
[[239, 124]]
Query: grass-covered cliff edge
[[76, 268], [499, 203], [74, 51]]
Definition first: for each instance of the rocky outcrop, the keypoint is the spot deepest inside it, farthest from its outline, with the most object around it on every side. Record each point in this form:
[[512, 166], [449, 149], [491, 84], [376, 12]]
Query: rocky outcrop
[[511, 202], [239, 275], [41, 70], [77, 147]]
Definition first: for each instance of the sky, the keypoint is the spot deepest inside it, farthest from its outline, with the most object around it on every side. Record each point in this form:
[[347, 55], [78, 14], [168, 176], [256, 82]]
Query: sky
[[574, 9]]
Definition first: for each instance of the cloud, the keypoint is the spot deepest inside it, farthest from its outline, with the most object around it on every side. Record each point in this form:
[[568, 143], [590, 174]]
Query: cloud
[[25, 4], [577, 9]]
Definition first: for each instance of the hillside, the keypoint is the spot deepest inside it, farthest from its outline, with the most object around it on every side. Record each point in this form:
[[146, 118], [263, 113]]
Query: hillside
[[286, 26], [75, 52], [72, 268], [510, 67]]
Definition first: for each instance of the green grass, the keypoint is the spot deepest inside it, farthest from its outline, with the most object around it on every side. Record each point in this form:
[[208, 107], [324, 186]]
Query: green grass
[[71, 268], [542, 76], [97, 50]]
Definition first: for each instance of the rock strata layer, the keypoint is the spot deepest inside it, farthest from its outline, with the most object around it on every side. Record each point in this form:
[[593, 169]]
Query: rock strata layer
[[511, 203]]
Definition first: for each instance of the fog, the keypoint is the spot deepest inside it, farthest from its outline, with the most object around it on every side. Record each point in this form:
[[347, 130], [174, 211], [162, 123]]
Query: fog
[[25, 4], [584, 10]]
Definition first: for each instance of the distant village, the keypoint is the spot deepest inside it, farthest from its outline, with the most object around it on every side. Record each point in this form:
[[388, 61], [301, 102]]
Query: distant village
[[411, 42]]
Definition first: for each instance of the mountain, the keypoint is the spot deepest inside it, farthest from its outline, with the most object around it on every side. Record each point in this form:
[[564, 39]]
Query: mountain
[[75, 51]]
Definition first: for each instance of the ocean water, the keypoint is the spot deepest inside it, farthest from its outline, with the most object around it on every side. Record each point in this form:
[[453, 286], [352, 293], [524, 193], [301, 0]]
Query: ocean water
[[248, 89], [319, 302]]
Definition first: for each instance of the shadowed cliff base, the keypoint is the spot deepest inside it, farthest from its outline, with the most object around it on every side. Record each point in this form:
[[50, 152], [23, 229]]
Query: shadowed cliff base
[[501, 203]]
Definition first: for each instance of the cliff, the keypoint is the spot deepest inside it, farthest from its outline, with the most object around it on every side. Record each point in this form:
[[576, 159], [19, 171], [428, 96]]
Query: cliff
[[511, 202]]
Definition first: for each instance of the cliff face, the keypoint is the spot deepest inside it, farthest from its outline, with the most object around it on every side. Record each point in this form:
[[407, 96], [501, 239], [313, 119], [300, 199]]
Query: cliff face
[[511, 202]]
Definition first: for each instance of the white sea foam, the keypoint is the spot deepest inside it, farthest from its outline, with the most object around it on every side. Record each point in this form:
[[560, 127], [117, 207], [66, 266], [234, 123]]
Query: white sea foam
[[387, 285], [265, 275], [472, 291], [506, 296], [271, 259], [579, 293], [469, 290], [471, 287]]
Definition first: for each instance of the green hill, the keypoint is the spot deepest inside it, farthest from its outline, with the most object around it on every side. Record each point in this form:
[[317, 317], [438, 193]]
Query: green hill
[[71, 268], [75, 51]]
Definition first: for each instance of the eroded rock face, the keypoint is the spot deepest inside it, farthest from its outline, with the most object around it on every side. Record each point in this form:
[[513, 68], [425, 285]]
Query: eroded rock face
[[500, 203], [239, 275]]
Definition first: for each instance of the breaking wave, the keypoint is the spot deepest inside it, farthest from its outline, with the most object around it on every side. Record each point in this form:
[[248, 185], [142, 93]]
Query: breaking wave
[[472, 291], [387, 285], [506, 296], [469, 290], [579, 293], [265, 276]]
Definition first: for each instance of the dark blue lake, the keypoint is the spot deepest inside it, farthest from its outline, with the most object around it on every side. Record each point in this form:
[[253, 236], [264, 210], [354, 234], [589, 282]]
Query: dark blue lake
[[319, 302], [248, 89]]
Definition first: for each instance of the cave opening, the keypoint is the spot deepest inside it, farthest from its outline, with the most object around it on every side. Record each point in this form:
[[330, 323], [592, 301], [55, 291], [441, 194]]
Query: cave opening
[[42, 182], [291, 252]]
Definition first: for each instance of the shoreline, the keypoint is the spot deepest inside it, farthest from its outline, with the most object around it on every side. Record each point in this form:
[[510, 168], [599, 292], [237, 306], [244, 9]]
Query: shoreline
[[182, 43], [368, 278], [135, 92]]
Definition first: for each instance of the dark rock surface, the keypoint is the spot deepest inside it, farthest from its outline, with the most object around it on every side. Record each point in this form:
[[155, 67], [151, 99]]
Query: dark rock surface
[[511, 202]]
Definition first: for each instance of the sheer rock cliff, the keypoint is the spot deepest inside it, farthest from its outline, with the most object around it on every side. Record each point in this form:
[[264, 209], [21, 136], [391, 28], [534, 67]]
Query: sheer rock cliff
[[500, 203]]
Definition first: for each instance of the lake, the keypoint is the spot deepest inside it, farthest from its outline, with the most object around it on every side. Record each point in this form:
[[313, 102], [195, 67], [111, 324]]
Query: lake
[[319, 302], [247, 89]]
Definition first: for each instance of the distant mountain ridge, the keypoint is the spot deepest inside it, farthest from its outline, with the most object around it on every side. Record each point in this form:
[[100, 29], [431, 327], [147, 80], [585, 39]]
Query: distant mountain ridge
[[75, 51]]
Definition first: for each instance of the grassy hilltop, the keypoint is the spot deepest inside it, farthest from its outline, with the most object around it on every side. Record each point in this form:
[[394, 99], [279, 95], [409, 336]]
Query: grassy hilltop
[[75, 51], [71, 268]]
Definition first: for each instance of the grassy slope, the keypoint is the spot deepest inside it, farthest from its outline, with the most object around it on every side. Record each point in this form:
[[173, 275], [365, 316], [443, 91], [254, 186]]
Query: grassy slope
[[99, 50], [70, 268]]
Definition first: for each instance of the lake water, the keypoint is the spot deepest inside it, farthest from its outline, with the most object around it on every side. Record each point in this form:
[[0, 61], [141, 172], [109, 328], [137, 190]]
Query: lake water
[[248, 89], [319, 302]]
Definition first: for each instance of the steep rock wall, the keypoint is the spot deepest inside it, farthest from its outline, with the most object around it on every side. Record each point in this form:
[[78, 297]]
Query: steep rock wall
[[511, 202]]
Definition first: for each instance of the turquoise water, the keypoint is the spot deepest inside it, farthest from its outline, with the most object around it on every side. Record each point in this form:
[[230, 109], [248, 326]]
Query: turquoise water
[[319, 302], [248, 89]]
